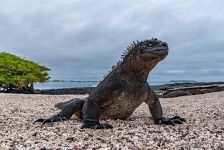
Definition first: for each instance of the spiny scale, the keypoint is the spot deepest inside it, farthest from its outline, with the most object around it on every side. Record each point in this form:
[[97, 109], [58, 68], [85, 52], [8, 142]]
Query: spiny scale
[[122, 56], [112, 68], [125, 52], [134, 44]]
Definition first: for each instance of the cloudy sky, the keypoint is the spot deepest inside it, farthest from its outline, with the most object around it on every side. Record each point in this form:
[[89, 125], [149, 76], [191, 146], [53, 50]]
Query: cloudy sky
[[81, 40]]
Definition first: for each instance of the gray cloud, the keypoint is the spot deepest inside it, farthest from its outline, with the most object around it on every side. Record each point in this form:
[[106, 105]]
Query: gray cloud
[[83, 39]]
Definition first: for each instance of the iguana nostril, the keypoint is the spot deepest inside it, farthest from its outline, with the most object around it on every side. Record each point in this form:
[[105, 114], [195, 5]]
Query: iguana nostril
[[164, 44]]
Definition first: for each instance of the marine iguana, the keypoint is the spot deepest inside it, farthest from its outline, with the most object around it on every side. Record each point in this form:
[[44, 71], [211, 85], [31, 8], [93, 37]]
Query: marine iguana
[[121, 91]]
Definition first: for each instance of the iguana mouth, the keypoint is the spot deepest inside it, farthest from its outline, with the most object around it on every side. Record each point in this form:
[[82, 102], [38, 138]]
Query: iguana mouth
[[158, 52]]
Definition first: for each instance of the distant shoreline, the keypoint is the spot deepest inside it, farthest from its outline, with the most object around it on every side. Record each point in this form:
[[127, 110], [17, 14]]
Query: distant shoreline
[[73, 81], [62, 84], [164, 90], [171, 81]]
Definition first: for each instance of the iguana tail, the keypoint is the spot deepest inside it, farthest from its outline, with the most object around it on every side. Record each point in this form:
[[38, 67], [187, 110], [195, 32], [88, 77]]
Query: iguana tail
[[70, 107], [61, 105]]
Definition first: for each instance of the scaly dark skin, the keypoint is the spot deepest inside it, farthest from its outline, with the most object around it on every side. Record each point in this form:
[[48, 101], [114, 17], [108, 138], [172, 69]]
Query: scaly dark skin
[[121, 91]]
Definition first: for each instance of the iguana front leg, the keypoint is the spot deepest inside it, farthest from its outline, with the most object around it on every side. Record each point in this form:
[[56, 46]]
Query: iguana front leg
[[91, 113], [157, 113], [91, 108]]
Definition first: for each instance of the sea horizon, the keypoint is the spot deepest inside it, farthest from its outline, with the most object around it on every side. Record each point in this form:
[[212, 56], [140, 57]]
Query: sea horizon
[[60, 84]]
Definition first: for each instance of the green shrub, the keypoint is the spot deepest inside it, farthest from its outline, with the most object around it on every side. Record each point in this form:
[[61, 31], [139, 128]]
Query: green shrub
[[18, 73]]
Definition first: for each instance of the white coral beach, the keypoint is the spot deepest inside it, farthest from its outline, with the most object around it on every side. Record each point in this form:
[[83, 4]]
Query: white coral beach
[[204, 128]]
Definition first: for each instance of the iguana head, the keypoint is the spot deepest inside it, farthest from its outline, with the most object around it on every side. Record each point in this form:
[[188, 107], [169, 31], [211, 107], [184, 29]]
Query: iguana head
[[147, 50], [143, 56]]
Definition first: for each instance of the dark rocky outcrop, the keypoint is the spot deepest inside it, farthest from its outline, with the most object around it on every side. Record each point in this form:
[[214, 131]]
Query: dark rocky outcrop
[[183, 89], [65, 91]]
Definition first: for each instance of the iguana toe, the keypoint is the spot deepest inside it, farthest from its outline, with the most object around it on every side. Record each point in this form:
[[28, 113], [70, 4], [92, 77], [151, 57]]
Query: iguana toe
[[51, 120], [171, 121], [97, 126]]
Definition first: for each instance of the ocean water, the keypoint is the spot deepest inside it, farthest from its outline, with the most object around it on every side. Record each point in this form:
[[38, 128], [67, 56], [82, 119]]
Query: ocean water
[[65, 84], [154, 80], [73, 84]]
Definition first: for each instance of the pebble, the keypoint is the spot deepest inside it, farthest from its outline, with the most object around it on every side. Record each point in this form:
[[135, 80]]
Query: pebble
[[203, 130]]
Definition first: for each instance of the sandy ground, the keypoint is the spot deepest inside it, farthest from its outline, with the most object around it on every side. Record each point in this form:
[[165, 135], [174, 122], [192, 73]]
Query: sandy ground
[[204, 128]]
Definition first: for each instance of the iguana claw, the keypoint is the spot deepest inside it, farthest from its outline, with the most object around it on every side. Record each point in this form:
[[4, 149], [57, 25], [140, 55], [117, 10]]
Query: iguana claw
[[56, 118], [170, 121], [97, 126]]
